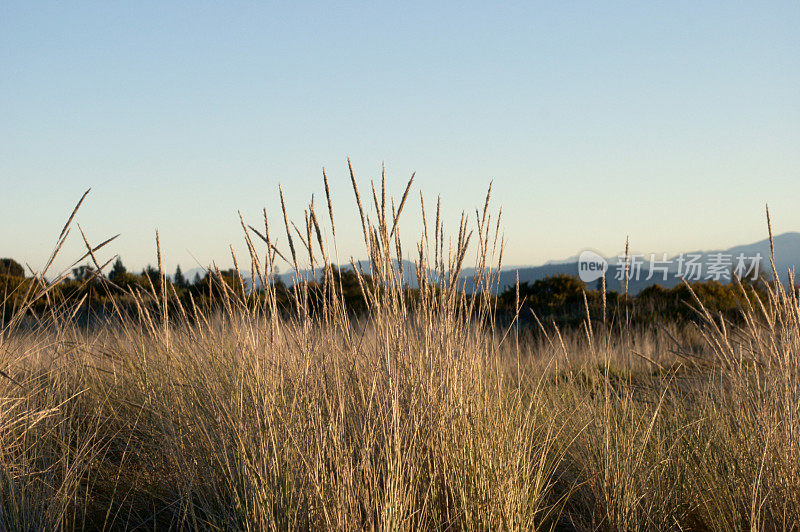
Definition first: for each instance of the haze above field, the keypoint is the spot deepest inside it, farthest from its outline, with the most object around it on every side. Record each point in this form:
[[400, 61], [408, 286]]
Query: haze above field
[[673, 124]]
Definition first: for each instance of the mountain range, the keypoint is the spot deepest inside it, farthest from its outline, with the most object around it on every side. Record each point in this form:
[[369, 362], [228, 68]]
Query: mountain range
[[787, 255]]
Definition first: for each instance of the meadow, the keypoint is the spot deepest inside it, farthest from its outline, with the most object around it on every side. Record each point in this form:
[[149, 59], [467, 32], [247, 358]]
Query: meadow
[[423, 412]]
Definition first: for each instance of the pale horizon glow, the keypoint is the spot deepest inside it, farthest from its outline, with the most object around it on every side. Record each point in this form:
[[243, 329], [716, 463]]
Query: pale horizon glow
[[673, 124]]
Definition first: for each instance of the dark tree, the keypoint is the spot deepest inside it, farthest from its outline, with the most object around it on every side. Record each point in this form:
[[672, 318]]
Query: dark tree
[[151, 273], [118, 273], [559, 294], [178, 279], [11, 268], [83, 273]]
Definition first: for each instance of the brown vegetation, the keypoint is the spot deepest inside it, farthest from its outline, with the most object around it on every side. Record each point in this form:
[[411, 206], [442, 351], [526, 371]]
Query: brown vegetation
[[422, 412]]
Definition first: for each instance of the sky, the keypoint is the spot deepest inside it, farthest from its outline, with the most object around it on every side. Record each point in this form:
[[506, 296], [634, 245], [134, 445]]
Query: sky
[[672, 123]]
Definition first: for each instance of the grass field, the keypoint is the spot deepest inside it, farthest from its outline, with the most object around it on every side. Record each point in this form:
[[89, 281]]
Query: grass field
[[424, 413]]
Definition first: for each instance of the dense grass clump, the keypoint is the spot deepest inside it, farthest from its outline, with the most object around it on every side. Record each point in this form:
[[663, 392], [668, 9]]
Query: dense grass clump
[[421, 412]]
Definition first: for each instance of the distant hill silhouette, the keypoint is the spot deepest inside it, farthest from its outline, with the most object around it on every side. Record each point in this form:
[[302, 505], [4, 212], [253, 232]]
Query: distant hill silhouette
[[787, 255], [288, 277]]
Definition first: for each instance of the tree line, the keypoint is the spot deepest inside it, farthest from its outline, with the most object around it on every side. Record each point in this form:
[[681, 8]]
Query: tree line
[[563, 299]]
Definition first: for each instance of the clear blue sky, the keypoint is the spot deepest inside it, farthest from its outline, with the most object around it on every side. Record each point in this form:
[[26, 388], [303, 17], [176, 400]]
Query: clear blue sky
[[671, 122]]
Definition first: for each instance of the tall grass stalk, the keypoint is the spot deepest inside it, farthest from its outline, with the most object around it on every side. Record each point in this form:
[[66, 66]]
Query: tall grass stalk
[[424, 412]]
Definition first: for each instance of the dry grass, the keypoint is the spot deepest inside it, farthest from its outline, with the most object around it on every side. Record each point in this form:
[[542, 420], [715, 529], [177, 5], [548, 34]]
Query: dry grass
[[423, 414]]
